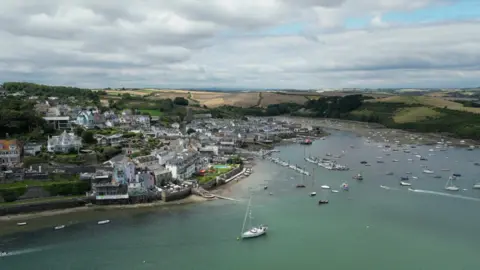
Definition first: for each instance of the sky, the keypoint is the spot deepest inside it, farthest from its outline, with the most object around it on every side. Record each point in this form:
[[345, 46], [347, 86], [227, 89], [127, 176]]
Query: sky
[[251, 44]]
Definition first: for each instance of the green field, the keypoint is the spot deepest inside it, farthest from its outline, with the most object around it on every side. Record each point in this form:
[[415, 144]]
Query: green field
[[415, 114], [152, 112]]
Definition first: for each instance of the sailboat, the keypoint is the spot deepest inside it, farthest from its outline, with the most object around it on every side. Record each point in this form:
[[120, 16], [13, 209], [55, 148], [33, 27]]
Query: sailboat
[[254, 231], [450, 186], [301, 185], [313, 193]]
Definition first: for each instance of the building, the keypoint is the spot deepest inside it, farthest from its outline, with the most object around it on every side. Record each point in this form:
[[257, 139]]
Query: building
[[58, 122], [64, 143], [32, 149], [164, 156], [183, 166], [10, 152], [90, 119]]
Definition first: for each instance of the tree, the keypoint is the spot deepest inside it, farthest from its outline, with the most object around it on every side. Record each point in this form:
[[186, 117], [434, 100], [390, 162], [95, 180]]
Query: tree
[[87, 137], [79, 131], [180, 101], [190, 131]]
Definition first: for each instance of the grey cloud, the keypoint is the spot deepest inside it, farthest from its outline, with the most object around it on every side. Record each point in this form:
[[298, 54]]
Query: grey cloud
[[189, 43]]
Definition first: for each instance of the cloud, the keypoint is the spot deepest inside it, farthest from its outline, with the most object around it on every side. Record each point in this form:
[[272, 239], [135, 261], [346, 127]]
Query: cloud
[[225, 43]]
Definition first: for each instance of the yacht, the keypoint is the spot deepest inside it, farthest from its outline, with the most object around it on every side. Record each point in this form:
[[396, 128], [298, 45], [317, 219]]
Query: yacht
[[254, 231], [450, 186]]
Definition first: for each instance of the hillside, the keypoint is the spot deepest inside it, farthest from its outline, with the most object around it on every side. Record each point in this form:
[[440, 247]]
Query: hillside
[[438, 102]]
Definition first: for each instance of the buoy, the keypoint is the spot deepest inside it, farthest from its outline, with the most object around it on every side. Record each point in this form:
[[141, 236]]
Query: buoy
[[238, 238]]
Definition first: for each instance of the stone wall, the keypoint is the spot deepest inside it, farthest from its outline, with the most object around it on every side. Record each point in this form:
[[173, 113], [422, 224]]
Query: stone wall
[[178, 195], [45, 206]]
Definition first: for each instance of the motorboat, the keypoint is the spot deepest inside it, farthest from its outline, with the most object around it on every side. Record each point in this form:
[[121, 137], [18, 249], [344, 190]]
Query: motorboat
[[334, 191], [395, 160], [265, 187], [59, 227], [404, 178], [3, 254], [457, 175], [476, 186], [300, 186], [21, 223], [402, 183], [427, 171], [325, 187], [389, 173], [313, 194], [102, 222], [323, 202], [437, 176], [345, 186]]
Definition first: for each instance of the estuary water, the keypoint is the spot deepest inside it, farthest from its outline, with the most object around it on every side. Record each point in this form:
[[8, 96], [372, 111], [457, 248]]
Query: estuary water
[[368, 227]]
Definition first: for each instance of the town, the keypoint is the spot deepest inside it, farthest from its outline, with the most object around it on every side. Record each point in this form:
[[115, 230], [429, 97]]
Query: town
[[121, 157]]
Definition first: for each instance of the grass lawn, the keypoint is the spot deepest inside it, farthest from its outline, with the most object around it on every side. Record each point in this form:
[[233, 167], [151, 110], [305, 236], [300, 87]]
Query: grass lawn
[[152, 112], [41, 200], [212, 175]]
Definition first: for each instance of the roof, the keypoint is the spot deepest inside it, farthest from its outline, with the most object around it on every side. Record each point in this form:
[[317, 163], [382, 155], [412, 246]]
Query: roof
[[56, 118], [5, 144]]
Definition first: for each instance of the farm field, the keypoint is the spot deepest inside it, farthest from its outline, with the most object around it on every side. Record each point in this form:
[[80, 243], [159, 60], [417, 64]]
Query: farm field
[[415, 114], [428, 101]]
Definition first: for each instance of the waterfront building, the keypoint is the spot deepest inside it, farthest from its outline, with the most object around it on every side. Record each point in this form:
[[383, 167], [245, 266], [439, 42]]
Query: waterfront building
[[183, 166], [58, 122], [64, 143], [10, 152]]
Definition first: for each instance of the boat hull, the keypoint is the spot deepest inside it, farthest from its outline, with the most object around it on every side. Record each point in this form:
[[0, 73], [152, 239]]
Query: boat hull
[[255, 232]]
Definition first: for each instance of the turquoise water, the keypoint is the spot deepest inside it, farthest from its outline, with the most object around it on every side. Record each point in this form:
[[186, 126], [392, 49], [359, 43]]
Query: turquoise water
[[221, 166], [366, 228]]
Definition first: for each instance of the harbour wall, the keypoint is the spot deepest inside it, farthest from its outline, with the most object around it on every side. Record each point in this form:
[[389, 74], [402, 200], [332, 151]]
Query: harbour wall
[[177, 195]]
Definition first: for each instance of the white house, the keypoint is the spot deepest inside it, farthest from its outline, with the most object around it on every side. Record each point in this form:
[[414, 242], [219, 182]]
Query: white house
[[64, 143], [183, 166]]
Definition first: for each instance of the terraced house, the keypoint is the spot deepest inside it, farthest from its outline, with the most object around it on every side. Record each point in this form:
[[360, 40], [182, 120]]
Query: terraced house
[[10, 152]]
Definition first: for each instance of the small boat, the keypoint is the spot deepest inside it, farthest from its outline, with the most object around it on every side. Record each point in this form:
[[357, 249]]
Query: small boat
[[414, 177], [21, 223], [313, 194], [389, 173], [306, 142], [427, 171], [379, 161], [450, 186], [404, 178], [445, 170], [402, 183], [300, 186], [437, 176], [363, 162], [334, 191], [265, 187], [325, 187], [102, 222], [457, 175], [59, 227], [476, 186], [323, 202], [395, 160], [3, 254], [358, 177], [270, 193], [344, 186]]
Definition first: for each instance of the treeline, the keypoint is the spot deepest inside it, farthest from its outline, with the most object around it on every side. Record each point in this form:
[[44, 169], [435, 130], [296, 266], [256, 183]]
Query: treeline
[[43, 91], [17, 117]]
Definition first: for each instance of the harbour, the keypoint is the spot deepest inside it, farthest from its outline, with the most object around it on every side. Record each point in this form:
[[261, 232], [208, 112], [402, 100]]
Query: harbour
[[425, 223]]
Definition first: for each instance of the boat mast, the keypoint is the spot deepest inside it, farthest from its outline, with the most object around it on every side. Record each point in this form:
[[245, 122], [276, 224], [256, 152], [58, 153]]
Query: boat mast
[[246, 214], [313, 178]]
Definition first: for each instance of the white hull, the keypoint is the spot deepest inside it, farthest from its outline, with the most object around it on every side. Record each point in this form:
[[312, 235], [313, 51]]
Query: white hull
[[22, 223], [452, 188], [427, 171], [103, 222], [313, 194], [255, 232], [476, 186], [405, 184], [59, 227], [325, 187]]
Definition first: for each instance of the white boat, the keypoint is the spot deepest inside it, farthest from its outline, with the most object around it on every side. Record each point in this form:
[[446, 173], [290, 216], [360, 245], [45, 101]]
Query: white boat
[[313, 194], [101, 222], [450, 186], [476, 186], [21, 223], [3, 254], [325, 187], [254, 231], [402, 183], [414, 177], [59, 227], [334, 191], [427, 171]]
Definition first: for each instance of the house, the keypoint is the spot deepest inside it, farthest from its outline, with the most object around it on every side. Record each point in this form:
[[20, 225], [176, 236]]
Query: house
[[58, 122], [143, 181], [32, 149], [41, 108], [10, 152], [175, 125], [145, 161], [90, 119], [183, 166], [112, 140], [64, 143], [164, 156]]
